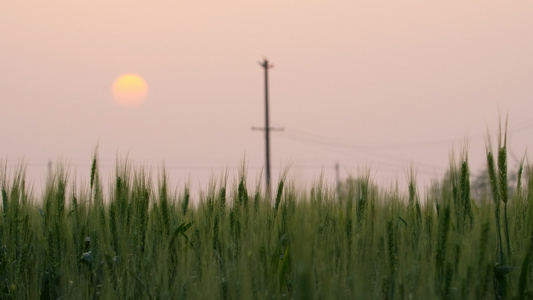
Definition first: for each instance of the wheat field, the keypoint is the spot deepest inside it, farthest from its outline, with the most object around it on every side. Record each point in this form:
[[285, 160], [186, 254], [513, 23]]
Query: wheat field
[[144, 240]]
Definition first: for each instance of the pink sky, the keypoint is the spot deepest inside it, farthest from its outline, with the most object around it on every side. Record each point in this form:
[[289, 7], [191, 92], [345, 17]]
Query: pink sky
[[366, 83]]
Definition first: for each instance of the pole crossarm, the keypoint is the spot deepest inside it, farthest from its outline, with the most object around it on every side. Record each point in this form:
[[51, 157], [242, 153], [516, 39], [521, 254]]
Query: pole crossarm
[[265, 64], [270, 129]]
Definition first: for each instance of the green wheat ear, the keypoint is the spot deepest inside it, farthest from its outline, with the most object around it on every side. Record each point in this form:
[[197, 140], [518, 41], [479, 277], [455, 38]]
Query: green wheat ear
[[278, 195], [491, 169], [163, 201], [185, 203], [502, 167], [519, 175], [94, 166], [4, 202], [465, 191]]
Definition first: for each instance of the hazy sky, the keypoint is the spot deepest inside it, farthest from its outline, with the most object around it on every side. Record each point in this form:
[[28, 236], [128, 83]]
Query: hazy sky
[[366, 83]]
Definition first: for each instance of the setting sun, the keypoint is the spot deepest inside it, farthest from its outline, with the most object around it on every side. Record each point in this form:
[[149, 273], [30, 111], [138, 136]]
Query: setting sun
[[130, 90]]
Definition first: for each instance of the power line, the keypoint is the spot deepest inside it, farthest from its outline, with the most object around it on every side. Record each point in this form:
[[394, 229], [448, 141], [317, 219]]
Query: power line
[[329, 140], [354, 148], [526, 125]]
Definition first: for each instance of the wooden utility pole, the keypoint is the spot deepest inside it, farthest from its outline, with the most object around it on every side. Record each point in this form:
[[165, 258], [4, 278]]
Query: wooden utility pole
[[267, 127], [266, 66]]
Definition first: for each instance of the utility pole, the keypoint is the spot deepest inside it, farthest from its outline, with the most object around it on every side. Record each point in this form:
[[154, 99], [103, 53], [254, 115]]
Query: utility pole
[[267, 127]]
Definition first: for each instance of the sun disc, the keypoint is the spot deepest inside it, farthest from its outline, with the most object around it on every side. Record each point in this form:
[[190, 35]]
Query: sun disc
[[130, 90]]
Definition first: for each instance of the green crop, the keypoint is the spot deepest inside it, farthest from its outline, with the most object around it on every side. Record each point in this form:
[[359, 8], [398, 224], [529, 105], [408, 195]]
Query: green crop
[[140, 240]]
